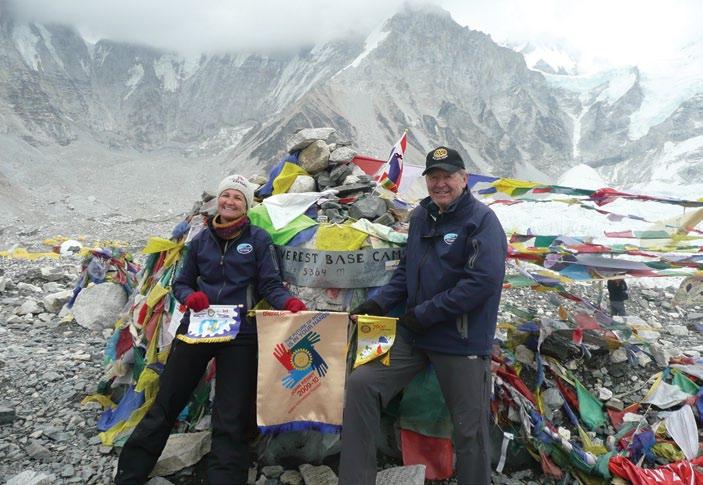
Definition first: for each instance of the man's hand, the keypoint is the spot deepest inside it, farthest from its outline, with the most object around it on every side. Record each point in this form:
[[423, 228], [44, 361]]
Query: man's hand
[[197, 301], [409, 321], [369, 307]]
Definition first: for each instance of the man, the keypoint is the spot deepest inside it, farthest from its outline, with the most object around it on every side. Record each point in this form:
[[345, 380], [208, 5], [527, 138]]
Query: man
[[450, 278], [617, 293]]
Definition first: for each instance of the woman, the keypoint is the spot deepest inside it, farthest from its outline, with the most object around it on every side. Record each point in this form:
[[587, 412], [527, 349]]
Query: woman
[[229, 263]]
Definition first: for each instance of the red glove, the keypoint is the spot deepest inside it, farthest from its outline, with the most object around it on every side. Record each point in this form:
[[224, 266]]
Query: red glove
[[197, 301], [294, 305]]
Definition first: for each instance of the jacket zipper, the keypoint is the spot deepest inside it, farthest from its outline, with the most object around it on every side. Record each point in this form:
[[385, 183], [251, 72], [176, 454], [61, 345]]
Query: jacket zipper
[[222, 266]]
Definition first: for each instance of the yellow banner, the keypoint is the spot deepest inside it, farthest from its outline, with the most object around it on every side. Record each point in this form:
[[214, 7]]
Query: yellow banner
[[375, 337]]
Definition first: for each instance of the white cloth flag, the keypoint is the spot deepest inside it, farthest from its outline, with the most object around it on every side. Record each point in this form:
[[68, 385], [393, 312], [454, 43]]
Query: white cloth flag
[[284, 208], [682, 427]]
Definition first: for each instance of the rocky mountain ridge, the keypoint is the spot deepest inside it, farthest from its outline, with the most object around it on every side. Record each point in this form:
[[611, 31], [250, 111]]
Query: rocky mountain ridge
[[107, 120]]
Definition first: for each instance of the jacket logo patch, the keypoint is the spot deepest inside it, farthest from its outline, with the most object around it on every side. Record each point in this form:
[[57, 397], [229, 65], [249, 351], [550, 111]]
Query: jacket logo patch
[[450, 237], [245, 248]]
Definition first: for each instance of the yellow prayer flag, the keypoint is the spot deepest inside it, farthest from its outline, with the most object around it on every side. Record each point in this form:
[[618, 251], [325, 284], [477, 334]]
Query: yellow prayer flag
[[285, 179], [159, 245], [336, 237]]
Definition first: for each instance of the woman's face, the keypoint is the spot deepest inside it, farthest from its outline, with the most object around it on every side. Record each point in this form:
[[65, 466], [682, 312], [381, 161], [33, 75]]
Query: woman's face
[[231, 205]]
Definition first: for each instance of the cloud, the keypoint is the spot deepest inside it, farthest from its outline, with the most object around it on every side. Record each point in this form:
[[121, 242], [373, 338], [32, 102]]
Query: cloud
[[193, 26], [603, 31]]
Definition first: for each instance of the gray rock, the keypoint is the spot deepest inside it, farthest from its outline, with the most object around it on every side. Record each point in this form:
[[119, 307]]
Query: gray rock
[[367, 208], [272, 471], [7, 415], [50, 273], [345, 190], [694, 316], [323, 180], [315, 157], [22, 286], [618, 355], [339, 173], [68, 471], [342, 155], [55, 301], [291, 477], [98, 306], [182, 450], [334, 216], [158, 481], [407, 475], [302, 183], [30, 477], [386, 219], [37, 451], [303, 138], [318, 475], [52, 287], [303, 446], [552, 398], [677, 330], [29, 307], [524, 355]]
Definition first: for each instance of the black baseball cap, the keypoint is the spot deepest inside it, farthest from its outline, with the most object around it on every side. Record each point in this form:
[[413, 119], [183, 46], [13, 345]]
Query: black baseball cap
[[445, 159]]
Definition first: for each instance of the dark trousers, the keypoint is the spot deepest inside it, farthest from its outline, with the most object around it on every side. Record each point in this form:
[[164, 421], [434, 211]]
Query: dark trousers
[[235, 391], [466, 387]]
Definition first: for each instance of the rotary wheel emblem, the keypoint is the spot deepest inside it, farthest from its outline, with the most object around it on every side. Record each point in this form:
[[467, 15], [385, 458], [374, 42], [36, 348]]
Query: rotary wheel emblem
[[301, 359]]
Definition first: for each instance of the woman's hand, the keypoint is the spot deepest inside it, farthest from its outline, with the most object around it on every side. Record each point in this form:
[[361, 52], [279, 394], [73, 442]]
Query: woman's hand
[[197, 301], [294, 305]]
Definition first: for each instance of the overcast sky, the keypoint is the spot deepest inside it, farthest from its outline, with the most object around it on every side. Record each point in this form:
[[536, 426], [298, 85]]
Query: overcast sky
[[603, 31]]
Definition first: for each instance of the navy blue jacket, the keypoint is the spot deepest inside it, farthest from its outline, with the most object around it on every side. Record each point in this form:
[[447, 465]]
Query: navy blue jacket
[[451, 276], [239, 272]]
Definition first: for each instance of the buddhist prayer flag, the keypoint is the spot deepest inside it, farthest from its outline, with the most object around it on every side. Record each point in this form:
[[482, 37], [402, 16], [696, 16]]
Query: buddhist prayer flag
[[302, 363], [392, 171]]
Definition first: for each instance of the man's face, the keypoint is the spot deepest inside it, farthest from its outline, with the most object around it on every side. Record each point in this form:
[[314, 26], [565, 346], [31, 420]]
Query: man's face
[[444, 187]]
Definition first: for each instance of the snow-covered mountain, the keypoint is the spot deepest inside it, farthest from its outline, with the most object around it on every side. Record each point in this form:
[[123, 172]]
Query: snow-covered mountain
[[106, 128]]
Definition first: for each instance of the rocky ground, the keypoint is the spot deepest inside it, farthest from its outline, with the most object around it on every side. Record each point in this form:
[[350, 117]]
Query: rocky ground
[[47, 367]]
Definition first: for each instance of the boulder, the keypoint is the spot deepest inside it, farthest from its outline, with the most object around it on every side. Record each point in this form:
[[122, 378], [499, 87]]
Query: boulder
[[29, 307], [98, 306], [50, 273], [318, 475], [30, 477], [7, 414], [291, 477], [303, 138], [407, 475], [368, 208], [182, 450], [302, 183], [315, 157], [339, 174], [342, 155], [70, 246], [55, 301], [302, 446]]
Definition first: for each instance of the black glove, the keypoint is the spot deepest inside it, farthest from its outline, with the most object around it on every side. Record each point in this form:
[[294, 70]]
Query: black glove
[[369, 307], [409, 321]]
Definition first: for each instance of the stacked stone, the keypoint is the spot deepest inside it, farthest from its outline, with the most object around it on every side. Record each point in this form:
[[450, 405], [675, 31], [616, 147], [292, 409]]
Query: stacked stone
[[329, 165]]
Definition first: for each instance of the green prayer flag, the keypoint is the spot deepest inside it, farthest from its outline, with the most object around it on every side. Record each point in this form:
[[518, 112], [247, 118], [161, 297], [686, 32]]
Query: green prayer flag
[[259, 216], [590, 408], [684, 383]]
